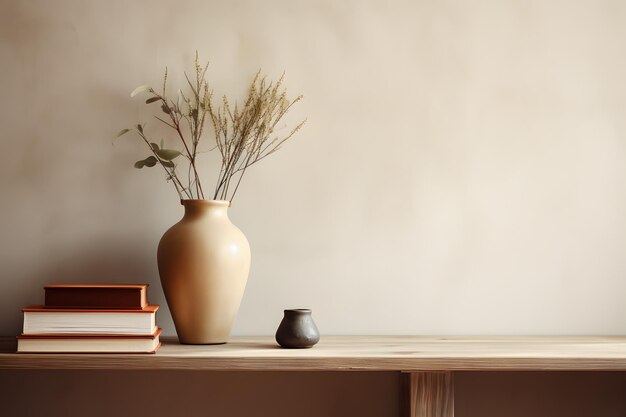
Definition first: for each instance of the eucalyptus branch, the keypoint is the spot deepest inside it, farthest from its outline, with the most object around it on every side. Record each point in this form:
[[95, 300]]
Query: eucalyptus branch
[[176, 126], [172, 168]]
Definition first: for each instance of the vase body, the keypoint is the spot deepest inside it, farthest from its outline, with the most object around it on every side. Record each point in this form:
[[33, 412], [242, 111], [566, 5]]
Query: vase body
[[204, 262], [297, 330]]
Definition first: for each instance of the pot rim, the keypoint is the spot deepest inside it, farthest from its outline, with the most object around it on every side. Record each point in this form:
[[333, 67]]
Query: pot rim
[[297, 310]]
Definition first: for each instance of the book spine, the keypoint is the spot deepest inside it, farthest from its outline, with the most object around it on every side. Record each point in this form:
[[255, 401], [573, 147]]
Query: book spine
[[96, 298]]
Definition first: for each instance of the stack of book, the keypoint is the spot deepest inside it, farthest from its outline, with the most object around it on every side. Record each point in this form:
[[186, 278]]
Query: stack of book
[[91, 318]]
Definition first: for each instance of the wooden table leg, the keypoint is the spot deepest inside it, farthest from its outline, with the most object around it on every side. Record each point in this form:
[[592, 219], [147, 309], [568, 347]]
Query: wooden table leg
[[427, 394]]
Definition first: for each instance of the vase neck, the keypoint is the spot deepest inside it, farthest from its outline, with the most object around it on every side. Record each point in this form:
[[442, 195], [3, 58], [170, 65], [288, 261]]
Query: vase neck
[[195, 209]]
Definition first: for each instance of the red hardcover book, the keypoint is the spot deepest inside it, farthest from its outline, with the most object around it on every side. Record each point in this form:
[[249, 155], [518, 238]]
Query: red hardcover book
[[95, 343], [39, 320], [96, 296]]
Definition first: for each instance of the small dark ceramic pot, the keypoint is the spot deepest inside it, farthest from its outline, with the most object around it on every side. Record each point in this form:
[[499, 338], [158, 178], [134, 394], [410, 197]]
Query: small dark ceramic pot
[[297, 330]]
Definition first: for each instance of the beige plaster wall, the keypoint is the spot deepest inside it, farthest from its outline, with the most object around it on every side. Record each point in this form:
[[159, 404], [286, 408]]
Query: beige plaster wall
[[462, 171]]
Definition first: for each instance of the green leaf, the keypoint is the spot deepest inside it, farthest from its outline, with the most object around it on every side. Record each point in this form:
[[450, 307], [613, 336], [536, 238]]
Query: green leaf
[[148, 162], [141, 89], [154, 146], [140, 128], [122, 132], [168, 164], [167, 154], [152, 100]]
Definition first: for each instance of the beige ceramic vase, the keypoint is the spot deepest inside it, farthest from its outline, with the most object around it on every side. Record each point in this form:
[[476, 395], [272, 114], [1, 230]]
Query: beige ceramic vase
[[204, 262]]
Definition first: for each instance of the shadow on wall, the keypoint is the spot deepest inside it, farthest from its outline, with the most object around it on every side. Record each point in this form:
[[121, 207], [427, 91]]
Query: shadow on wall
[[199, 394], [539, 394]]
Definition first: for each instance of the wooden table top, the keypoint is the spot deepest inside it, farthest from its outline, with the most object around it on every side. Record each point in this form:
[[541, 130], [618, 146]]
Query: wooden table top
[[353, 353]]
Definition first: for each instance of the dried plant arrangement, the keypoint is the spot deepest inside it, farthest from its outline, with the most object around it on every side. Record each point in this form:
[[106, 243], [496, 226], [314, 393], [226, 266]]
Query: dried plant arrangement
[[244, 134]]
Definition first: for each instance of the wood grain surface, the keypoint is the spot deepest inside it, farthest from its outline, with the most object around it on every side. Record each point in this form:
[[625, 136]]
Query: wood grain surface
[[352, 353], [430, 394]]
